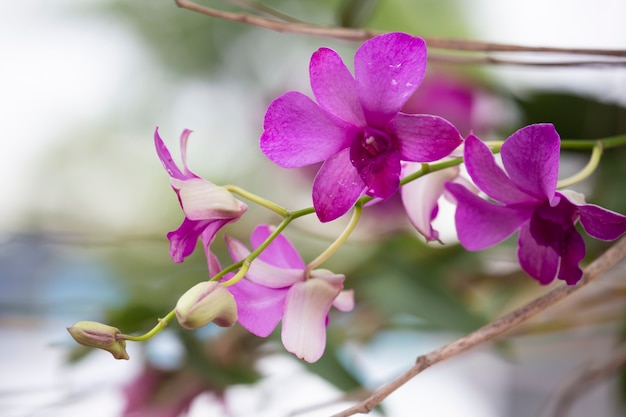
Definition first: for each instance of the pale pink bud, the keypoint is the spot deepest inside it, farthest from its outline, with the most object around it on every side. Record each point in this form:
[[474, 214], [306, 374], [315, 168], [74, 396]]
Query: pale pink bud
[[101, 336], [206, 302]]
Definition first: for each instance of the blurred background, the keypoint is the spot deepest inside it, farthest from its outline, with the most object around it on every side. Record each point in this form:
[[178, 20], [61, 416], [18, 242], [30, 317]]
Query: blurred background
[[86, 205]]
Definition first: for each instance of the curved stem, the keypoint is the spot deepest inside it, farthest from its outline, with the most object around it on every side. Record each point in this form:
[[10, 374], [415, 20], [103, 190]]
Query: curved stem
[[270, 205], [610, 142], [341, 239], [591, 166], [155, 330], [426, 168]]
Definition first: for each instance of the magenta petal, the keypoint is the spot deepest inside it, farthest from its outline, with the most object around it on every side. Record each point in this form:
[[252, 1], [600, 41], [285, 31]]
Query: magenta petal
[[538, 261], [259, 309], [488, 176], [601, 223], [388, 69], [424, 138], [166, 158], [531, 158], [183, 240], [263, 272], [337, 186], [481, 224], [304, 321], [569, 269], [334, 87], [420, 197], [280, 252], [380, 173], [299, 133]]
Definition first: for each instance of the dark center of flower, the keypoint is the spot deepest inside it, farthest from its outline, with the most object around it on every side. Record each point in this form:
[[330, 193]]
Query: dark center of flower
[[375, 141], [552, 226]]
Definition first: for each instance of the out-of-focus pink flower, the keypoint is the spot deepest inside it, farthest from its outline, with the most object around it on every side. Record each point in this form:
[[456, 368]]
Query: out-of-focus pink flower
[[207, 207], [157, 393]]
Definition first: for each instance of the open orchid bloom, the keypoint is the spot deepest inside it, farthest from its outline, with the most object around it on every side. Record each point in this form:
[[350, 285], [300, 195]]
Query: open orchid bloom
[[525, 199], [276, 288], [207, 207], [356, 126]]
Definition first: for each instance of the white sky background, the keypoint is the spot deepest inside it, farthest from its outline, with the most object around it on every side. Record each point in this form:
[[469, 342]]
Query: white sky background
[[58, 72]]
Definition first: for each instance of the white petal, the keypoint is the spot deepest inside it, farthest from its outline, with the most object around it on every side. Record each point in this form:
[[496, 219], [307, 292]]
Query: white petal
[[304, 322], [202, 200], [421, 195]]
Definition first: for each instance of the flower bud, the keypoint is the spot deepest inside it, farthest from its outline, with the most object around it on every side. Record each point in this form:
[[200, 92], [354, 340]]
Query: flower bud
[[204, 303], [101, 336]]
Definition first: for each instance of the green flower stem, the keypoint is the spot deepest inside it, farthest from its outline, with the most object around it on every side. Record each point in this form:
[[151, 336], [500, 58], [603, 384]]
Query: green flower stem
[[281, 211], [155, 330], [240, 274], [610, 142], [244, 264], [591, 166], [426, 168], [341, 239]]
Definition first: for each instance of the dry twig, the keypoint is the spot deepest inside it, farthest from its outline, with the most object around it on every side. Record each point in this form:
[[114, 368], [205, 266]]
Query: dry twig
[[492, 330], [357, 34]]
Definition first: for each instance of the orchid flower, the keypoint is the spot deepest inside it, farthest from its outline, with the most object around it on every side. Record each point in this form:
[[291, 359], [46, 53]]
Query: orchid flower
[[525, 199], [277, 288], [207, 207], [356, 126]]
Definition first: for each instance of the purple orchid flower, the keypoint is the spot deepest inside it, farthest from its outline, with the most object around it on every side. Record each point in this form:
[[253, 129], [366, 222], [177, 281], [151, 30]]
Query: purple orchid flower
[[276, 288], [526, 199], [207, 207], [356, 126]]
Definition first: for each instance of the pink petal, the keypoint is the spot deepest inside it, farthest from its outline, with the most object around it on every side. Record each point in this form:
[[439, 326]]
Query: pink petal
[[299, 133], [166, 158], [334, 87], [481, 224], [262, 272], [424, 138], [488, 176], [538, 261], [420, 197], [597, 221], [344, 301], [183, 152], [304, 321], [183, 240], [531, 158], [388, 69], [213, 264], [259, 308], [280, 252], [201, 200], [337, 186]]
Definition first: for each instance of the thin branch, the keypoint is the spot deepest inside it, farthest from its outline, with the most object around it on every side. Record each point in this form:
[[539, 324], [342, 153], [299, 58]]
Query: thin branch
[[490, 331], [490, 60], [364, 34]]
